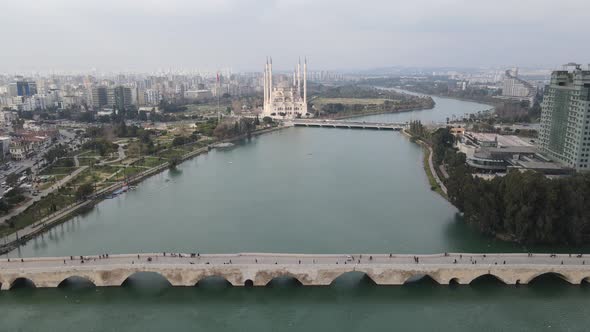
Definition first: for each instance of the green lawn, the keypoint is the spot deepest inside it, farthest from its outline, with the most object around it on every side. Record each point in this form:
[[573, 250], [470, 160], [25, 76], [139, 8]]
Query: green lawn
[[53, 170], [37, 211], [150, 162]]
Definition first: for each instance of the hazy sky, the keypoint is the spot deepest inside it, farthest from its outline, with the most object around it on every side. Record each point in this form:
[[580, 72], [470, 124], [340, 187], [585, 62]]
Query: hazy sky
[[333, 34]]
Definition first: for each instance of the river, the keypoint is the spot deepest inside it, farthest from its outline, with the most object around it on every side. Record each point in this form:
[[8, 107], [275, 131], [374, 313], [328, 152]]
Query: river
[[296, 190]]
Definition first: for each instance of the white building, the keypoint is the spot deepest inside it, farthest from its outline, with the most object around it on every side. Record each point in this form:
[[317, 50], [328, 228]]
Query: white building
[[152, 97], [514, 87], [286, 99]]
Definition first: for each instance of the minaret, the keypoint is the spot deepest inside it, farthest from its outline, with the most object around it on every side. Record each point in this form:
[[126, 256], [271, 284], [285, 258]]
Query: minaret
[[305, 85], [264, 107], [299, 78], [270, 85]]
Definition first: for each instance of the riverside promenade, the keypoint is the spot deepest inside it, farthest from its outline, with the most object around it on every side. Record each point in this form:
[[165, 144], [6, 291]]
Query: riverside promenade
[[21, 236], [258, 269]]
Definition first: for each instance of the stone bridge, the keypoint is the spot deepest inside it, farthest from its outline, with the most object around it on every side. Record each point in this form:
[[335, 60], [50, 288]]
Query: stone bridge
[[252, 269]]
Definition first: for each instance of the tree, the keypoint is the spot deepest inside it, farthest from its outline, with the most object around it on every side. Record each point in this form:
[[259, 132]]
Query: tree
[[174, 161], [179, 140], [12, 179], [84, 191], [267, 120]]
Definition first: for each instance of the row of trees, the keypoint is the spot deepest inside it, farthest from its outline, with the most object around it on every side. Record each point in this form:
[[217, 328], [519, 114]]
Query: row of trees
[[525, 206], [244, 126]]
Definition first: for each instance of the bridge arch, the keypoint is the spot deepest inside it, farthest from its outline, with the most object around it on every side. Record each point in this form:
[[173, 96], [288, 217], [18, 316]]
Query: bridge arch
[[77, 282], [213, 280], [353, 278], [548, 274], [146, 279], [248, 283], [454, 282], [22, 282], [488, 277], [416, 279], [284, 280]]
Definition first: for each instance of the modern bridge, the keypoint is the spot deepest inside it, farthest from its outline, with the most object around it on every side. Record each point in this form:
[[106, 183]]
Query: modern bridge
[[259, 269], [348, 124]]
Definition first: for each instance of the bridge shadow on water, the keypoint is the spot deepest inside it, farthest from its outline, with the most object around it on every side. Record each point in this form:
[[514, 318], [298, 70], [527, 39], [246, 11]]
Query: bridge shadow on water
[[148, 284], [353, 280], [76, 283]]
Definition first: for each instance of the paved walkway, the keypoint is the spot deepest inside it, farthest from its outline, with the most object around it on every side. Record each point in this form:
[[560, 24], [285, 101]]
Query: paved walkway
[[433, 170], [461, 259]]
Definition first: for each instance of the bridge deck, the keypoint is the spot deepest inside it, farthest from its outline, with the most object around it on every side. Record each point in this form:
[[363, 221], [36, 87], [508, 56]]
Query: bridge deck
[[259, 269]]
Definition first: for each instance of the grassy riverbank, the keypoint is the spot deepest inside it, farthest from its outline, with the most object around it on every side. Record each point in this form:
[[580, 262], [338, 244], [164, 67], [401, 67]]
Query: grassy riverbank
[[61, 205]]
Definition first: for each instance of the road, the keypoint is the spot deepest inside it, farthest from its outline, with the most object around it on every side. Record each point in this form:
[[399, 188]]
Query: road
[[43, 193]]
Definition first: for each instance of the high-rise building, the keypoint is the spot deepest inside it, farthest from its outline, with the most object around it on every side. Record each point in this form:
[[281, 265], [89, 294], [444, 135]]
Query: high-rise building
[[22, 89], [565, 118], [99, 96], [119, 97], [514, 87]]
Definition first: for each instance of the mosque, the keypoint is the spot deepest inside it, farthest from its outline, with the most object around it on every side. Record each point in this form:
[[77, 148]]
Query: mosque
[[286, 100]]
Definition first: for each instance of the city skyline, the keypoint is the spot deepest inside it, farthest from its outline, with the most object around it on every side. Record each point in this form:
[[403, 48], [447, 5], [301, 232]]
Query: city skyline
[[137, 36]]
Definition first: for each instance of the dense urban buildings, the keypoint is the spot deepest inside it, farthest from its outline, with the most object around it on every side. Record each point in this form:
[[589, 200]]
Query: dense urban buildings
[[565, 118]]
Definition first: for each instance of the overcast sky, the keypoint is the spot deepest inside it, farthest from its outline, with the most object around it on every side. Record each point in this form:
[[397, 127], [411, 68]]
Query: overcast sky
[[146, 35]]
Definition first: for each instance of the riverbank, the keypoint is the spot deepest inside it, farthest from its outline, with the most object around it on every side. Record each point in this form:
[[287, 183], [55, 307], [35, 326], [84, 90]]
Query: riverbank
[[485, 102], [358, 115], [22, 236], [436, 183]]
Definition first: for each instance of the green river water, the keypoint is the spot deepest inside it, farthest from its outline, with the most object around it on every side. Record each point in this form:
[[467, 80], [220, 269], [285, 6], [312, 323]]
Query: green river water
[[308, 190]]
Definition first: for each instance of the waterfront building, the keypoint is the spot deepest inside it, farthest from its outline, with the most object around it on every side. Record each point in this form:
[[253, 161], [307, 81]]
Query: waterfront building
[[287, 99], [565, 118], [493, 153]]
